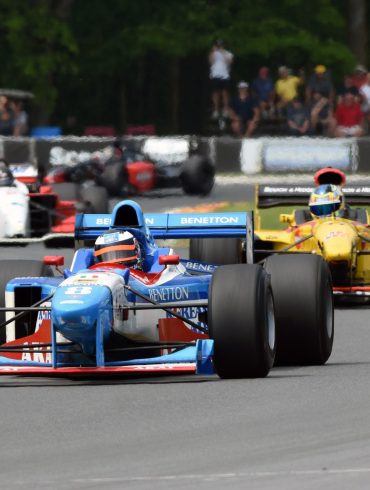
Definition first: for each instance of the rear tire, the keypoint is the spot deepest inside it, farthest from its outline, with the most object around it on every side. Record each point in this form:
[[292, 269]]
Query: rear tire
[[197, 175], [96, 198], [9, 269], [241, 321], [303, 299], [67, 191], [218, 251], [114, 178]]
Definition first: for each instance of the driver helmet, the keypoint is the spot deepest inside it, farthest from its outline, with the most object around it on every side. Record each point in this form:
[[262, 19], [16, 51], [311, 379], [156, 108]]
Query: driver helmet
[[326, 199], [6, 176], [119, 247]]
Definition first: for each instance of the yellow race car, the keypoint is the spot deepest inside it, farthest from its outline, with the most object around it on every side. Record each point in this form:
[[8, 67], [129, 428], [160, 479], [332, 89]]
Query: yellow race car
[[330, 226]]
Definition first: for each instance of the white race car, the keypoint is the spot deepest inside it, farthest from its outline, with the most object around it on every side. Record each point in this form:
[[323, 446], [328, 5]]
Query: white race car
[[14, 208]]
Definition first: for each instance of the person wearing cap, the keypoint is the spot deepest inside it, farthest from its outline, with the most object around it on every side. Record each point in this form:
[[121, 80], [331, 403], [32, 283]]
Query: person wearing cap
[[359, 76], [263, 88], [220, 61], [244, 111], [286, 87], [320, 81]]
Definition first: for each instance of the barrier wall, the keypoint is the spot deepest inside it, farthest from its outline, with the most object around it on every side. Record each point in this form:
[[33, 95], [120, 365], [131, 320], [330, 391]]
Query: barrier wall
[[251, 156]]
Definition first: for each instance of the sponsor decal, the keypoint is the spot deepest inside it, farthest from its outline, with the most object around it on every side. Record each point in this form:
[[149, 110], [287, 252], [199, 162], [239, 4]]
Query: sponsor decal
[[197, 266], [43, 315], [306, 155], [78, 290], [71, 302], [287, 190], [335, 234], [111, 238], [175, 293], [103, 221], [209, 220], [36, 356], [356, 190]]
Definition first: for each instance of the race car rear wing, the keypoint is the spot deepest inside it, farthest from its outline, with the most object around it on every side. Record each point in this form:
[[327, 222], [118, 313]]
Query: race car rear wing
[[170, 226], [282, 194], [52, 239]]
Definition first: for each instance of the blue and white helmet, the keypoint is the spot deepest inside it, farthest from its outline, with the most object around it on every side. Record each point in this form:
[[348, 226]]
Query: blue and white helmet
[[326, 200]]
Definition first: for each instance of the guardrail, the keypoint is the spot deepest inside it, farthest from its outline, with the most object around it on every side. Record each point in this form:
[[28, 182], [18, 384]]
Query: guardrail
[[251, 156]]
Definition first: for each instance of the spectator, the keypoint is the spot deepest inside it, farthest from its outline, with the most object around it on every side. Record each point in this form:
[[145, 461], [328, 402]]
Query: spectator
[[6, 118], [359, 76], [365, 98], [347, 86], [298, 118], [20, 118], [348, 117], [263, 88], [321, 115], [244, 111], [220, 63], [286, 87], [320, 81]]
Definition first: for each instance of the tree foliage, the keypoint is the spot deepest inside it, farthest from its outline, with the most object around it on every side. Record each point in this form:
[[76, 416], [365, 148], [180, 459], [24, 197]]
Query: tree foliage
[[121, 61]]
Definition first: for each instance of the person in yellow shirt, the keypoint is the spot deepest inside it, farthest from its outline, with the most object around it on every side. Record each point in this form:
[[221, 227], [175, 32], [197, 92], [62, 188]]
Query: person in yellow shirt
[[286, 87]]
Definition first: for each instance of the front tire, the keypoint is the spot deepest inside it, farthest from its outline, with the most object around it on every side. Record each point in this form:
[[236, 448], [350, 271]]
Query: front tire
[[304, 315], [241, 321], [9, 269]]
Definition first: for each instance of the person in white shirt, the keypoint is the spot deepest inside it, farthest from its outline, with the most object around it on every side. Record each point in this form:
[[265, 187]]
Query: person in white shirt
[[220, 61]]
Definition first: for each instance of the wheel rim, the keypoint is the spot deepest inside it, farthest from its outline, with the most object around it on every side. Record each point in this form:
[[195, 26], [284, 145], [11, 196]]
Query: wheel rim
[[329, 311], [270, 317]]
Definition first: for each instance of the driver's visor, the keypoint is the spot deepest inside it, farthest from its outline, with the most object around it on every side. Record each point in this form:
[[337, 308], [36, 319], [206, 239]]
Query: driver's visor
[[324, 209]]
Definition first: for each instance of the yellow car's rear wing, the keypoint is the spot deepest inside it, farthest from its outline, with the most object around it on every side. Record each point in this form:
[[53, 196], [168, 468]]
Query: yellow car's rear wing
[[270, 195]]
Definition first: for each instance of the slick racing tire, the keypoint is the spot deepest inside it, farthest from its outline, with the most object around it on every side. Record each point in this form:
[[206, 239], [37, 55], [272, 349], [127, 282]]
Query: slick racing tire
[[304, 316], [218, 251], [241, 321], [114, 178], [9, 269], [67, 191], [197, 175], [96, 199]]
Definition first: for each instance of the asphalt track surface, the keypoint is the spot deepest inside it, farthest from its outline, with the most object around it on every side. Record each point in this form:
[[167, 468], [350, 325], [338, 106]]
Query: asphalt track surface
[[303, 427]]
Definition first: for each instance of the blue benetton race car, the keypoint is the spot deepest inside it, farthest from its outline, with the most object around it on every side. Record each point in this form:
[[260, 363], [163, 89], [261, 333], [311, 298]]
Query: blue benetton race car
[[127, 305]]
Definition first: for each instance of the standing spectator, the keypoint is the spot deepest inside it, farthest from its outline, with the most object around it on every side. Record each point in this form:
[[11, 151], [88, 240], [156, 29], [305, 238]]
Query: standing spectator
[[20, 118], [244, 111], [6, 118], [320, 81], [348, 117], [365, 99], [359, 76], [321, 114], [298, 118], [263, 88], [220, 63], [286, 87]]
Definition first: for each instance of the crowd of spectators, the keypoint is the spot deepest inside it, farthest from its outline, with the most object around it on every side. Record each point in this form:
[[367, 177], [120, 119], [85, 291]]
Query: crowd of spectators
[[306, 105], [13, 118]]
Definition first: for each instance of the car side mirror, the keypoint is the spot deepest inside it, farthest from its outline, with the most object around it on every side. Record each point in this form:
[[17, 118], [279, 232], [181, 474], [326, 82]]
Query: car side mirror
[[286, 218], [169, 259], [54, 260]]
